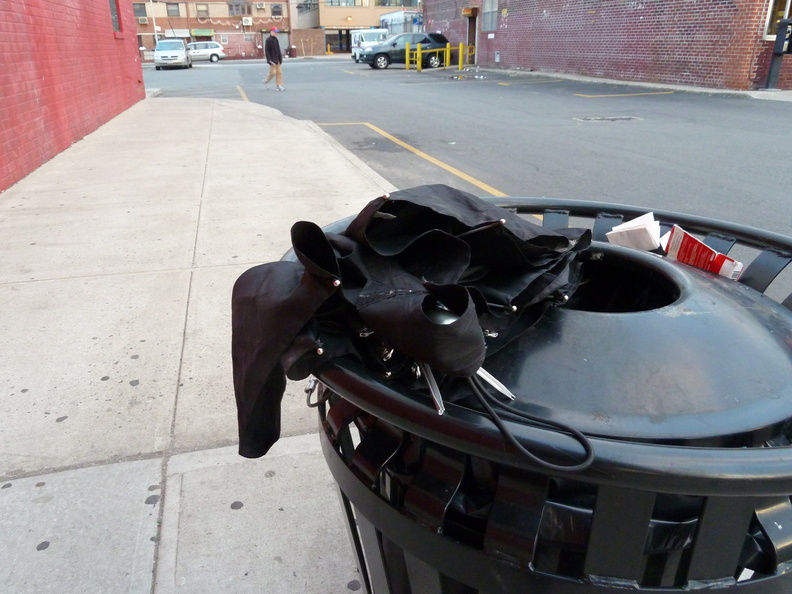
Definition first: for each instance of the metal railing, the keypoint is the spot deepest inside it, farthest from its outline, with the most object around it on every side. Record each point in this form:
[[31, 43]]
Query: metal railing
[[464, 53]]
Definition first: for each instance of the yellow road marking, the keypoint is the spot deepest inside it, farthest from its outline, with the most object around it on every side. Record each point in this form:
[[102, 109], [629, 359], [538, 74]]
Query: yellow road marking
[[531, 82], [541, 81], [241, 92], [461, 174], [625, 94]]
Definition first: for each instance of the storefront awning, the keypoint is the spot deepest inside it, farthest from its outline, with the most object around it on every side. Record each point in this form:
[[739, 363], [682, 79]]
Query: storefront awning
[[202, 32]]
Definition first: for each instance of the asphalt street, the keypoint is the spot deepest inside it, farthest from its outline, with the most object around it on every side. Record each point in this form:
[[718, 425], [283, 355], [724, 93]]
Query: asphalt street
[[721, 155]]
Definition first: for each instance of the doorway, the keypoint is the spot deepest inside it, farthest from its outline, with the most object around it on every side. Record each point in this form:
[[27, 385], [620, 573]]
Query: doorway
[[471, 36]]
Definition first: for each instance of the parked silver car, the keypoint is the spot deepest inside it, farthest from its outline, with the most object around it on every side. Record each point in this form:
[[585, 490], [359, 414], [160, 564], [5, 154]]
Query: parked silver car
[[171, 53], [205, 50]]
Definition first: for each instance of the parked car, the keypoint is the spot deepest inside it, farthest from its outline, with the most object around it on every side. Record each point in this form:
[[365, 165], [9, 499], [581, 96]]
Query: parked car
[[170, 53], [392, 51], [363, 38], [206, 50]]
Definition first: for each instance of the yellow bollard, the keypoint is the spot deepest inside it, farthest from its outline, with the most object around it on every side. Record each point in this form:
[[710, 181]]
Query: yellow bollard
[[461, 54], [418, 58], [447, 55], [407, 56]]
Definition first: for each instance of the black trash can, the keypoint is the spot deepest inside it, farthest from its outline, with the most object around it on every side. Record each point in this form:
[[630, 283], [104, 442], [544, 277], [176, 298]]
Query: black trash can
[[681, 379]]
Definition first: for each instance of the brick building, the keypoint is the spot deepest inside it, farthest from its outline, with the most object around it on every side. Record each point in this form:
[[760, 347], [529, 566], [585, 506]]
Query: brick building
[[309, 26], [69, 66], [710, 43], [238, 26]]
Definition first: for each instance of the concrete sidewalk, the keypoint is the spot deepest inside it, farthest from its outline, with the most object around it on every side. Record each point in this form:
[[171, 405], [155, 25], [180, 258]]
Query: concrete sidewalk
[[118, 464]]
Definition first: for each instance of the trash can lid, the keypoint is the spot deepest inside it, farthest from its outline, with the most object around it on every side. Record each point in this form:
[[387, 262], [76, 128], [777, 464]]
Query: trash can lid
[[656, 351]]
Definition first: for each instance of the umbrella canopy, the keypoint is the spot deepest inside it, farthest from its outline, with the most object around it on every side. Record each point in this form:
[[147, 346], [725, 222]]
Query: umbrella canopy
[[429, 275]]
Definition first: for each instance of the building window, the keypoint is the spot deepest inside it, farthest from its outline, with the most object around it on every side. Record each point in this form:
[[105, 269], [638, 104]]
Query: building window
[[779, 9], [139, 9], [489, 15], [173, 8], [277, 10], [202, 11], [249, 38], [224, 39], [238, 8], [114, 15], [354, 3], [307, 6]]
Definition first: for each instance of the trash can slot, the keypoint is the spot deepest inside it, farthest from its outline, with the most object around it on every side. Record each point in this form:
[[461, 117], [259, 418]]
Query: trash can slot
[[565, 528], [563, 534], [338, 419], [396, 566], [719, 243], [341, 414], [764, 269], [720, 537], [424, 579], [668, 549], [555, 219], [603, 223], [435, 485], [373, 568], [374, 451], [619, 533], [516, 514], [775, 522]]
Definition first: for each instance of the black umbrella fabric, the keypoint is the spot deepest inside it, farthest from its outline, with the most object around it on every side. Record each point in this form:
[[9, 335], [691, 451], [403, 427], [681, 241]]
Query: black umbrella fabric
[[434, 274]]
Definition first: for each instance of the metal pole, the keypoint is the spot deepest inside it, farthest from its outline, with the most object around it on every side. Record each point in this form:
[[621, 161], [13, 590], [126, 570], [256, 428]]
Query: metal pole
[[778, 53], [153, 20]]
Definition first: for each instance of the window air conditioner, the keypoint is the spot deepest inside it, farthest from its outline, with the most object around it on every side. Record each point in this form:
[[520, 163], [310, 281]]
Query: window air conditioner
[[247, 21], [261, 5], [142, 20]]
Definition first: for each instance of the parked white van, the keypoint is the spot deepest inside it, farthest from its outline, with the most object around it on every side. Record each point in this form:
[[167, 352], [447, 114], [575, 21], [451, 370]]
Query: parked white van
[[205, 50], [363, 38], [171, 52]]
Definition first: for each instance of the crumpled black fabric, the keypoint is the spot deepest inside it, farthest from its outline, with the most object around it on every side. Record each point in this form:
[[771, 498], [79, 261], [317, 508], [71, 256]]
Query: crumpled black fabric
[[432, 273]]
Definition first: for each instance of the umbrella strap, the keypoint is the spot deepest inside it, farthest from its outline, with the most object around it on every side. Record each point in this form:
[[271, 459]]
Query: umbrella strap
[[485, 399]]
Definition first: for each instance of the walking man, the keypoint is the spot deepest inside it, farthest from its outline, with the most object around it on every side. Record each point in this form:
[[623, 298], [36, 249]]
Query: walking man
[[274, 56]]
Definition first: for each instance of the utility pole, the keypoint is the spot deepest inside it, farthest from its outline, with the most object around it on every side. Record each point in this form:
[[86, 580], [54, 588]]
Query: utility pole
[[153, 20], [292, 41]]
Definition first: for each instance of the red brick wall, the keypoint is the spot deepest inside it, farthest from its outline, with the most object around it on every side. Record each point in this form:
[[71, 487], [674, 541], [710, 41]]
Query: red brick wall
[[785, 79], [785, 75], [65, 72], [711, 43]]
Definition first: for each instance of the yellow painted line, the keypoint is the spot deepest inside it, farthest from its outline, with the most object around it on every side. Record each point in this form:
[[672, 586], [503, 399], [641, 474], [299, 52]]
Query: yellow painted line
[[626, 94], [461, 174], [542, 81], [532, 82], [241, 92]]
